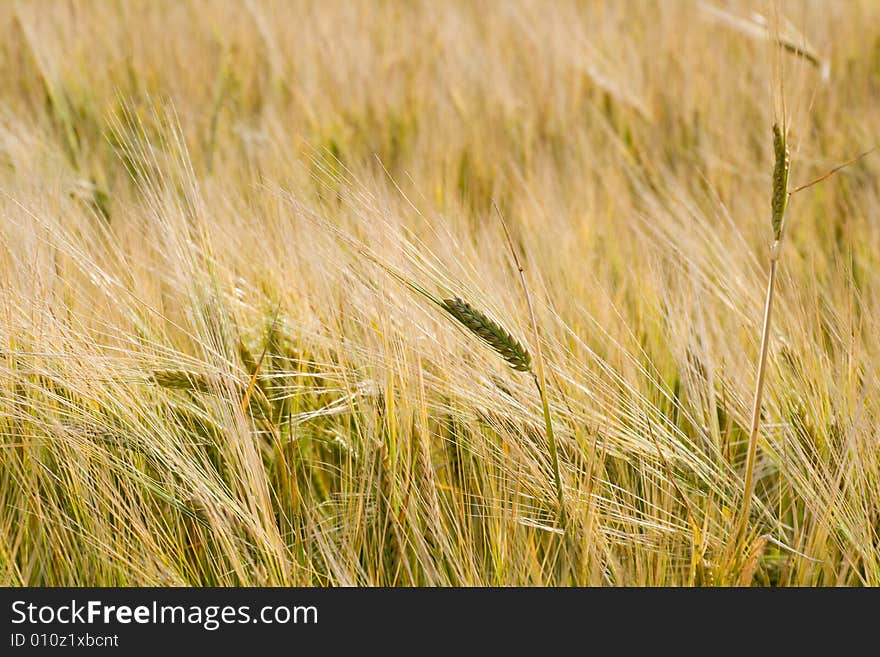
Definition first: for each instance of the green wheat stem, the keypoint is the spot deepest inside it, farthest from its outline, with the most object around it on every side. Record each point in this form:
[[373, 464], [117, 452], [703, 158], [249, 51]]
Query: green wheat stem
[[518, 357], [540, 380]]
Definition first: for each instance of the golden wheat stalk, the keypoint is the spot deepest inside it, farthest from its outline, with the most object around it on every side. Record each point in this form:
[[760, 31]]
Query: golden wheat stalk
[[757, 27], [778, 205]]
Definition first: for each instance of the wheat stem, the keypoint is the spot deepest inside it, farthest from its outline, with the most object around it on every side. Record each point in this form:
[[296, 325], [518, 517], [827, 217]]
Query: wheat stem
[[779, 205], [749, 485], [540, 381]]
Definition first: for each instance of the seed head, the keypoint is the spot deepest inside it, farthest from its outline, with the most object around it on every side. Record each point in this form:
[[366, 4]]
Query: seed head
[[490, 332], [780, 181]]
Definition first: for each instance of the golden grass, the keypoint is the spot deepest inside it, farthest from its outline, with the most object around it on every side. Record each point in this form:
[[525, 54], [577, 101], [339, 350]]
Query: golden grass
[[171, 172]]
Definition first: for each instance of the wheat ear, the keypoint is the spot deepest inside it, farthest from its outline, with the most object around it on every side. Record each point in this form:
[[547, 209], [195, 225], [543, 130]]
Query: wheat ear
[[490, 332], [183, 380]]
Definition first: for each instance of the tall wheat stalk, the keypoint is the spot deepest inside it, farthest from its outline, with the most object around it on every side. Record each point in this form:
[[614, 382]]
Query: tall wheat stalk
[[779, 203]]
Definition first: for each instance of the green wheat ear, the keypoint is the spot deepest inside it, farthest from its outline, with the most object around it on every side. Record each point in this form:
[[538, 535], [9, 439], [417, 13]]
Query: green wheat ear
[[780, 181], [182, 380], [490, 332]]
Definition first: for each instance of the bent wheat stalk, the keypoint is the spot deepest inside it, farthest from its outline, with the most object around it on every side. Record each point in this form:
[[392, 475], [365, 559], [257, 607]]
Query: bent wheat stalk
[[488, 330], [540, 381], [511, 350]]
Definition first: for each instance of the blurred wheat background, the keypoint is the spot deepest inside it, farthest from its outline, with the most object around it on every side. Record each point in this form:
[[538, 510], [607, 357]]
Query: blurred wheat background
[[214, 369]]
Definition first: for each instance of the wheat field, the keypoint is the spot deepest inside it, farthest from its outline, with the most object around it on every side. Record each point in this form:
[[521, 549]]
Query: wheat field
[[255, 275]]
